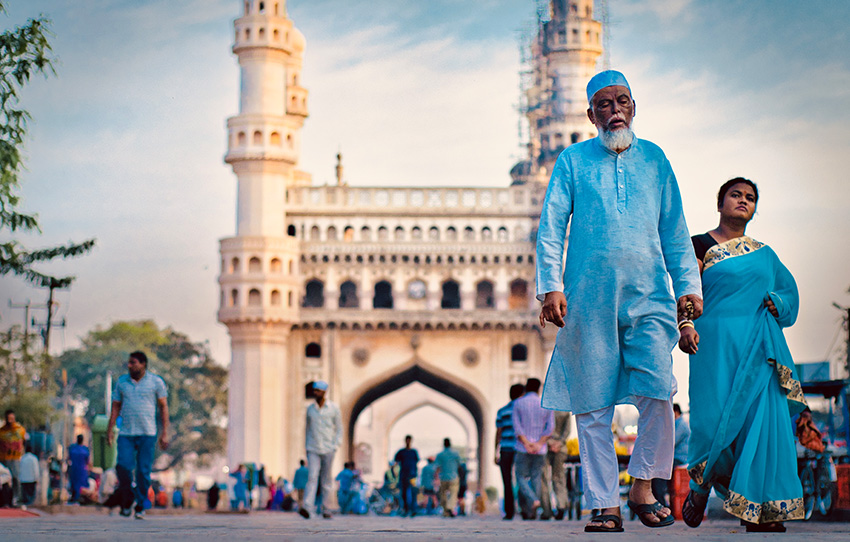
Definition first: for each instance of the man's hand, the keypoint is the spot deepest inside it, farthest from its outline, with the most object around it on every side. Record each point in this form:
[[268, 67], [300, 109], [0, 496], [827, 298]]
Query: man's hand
[[163, 441], [554, 446], [688, 340], [771, 307], [686, 312], [110, 436], [555, 309], [532, 447]]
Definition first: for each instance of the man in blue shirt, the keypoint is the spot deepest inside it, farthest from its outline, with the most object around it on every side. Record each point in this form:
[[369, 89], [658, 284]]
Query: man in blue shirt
[[344, 494], [299, 482], [506, 447], [136, 397], [448, 462], [408, 460], [78, 467], [428, 474]]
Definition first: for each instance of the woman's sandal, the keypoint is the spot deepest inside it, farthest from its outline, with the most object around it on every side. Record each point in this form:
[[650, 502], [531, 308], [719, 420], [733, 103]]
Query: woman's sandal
[[692, 512], [643, 510], [603, 519]]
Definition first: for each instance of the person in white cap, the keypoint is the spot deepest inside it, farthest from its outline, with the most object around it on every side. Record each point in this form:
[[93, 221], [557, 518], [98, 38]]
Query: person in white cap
[[612, 301], [323, 436]]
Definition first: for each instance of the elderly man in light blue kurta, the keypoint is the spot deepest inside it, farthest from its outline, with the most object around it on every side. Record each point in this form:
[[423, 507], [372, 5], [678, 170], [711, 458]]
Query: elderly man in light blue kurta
[[613, 300]]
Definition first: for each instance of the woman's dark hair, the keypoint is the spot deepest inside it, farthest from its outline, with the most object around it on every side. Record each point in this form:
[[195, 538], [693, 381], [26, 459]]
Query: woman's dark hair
[[721, 194]]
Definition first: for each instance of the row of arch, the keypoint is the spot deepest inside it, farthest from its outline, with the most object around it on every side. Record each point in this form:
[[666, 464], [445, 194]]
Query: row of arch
[[416, 233], [382, 295], [255, 298], [261, 7], [416, 259], [258, 139], [519, 352], [261, 35], [255, 265], [393, 325]]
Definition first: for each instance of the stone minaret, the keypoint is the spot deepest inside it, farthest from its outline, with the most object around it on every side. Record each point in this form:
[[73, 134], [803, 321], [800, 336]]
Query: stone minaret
[[259, 266], [564, 55]]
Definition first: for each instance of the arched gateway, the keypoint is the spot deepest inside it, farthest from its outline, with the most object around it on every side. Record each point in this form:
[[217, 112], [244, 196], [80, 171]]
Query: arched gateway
[[417, 371], [344, 283]]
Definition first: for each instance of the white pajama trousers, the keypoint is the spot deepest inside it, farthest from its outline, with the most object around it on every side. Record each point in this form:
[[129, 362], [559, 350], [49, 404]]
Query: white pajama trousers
[[652, 456]]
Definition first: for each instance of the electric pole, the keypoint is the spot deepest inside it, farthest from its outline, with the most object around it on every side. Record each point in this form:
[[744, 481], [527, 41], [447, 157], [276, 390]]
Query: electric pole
[[45, 333]]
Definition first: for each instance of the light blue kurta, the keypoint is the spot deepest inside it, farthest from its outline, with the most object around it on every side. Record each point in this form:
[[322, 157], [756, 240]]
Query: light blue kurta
[[627, 233]]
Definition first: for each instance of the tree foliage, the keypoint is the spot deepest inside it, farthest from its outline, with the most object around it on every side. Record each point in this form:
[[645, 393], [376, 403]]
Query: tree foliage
[[24, 51], [19, 375], [197, 385]]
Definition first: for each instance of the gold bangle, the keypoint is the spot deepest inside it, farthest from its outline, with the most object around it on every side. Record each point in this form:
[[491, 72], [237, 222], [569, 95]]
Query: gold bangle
[[685, 324]]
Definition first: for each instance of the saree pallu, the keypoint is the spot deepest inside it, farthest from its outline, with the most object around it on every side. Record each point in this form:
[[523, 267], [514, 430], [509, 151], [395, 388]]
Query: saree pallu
[[744, 387]]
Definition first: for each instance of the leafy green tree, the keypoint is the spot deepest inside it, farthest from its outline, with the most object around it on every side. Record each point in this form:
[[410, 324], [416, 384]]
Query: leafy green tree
[[197, 385], [24, 52], [19, 370]]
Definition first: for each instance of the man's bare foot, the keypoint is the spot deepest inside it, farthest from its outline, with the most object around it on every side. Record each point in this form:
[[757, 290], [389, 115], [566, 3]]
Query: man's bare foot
[[641, 493], [607, 524]]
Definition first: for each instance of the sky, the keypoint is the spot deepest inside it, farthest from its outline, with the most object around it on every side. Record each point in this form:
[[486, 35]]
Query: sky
[[127, 139]]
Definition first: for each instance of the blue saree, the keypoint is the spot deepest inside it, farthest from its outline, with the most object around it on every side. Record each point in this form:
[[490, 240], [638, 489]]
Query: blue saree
[[744, 387]]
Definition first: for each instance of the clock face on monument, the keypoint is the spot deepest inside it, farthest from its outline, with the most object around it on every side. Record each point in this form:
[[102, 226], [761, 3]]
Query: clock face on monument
[[416, 289]]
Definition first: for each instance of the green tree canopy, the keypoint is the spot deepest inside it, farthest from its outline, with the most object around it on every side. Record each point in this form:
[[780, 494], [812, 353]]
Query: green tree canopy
[[19, 371], [197, 385], [24, 52]]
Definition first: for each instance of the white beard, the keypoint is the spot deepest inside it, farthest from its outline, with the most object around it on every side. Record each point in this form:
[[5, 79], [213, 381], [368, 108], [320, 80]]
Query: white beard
[[617, 140]]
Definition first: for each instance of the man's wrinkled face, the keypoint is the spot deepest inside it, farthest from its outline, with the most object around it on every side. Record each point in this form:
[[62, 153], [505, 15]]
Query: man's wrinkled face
[[612, 109]]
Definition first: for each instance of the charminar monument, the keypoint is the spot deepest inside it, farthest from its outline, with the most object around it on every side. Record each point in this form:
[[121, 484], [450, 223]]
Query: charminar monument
[[378, 289]]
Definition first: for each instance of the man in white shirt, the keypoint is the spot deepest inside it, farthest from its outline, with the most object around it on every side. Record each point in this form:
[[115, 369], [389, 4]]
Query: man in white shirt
[[29, 476], [323, 436]]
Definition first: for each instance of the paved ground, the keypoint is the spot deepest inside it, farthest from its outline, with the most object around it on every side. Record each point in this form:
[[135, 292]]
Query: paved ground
[[289, 526]]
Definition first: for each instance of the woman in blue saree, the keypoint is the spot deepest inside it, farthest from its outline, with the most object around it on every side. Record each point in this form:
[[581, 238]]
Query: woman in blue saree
[[743, 384]]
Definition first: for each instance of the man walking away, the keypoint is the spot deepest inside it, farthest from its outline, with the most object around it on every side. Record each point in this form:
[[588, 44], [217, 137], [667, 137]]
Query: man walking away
[[532, 424], [506, 447], [555, 471], [299, 482], [29, 476], [323, 436], [408, 459], [136, 397], [448, 462], [12, 437], [78, 467], [428, 474]]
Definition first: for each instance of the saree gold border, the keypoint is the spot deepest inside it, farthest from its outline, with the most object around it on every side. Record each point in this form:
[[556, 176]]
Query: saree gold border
[[731, 248], [793, 389], [697, 471], [766, 512]]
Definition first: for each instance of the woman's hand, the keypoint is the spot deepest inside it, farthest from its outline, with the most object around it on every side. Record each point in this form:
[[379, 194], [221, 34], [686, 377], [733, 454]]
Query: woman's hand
[[688, 340], [771, 307]]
